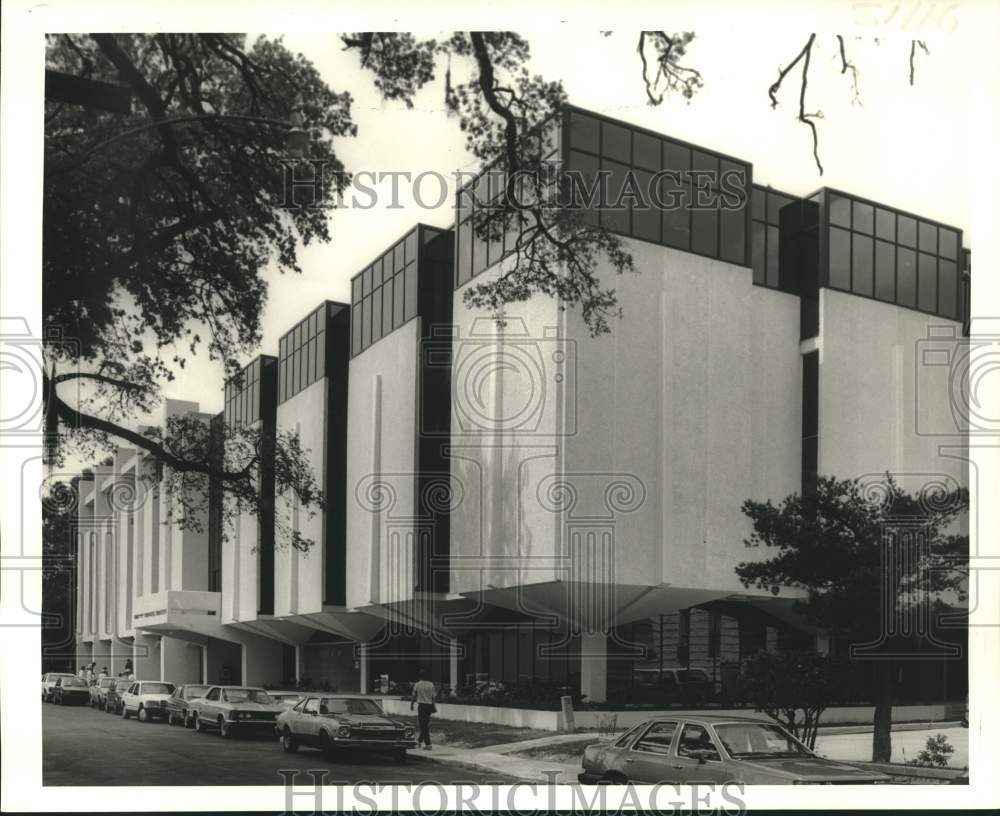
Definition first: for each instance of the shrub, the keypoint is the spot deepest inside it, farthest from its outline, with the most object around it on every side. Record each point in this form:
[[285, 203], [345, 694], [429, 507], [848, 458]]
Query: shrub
[[937, 750], [781, 684]]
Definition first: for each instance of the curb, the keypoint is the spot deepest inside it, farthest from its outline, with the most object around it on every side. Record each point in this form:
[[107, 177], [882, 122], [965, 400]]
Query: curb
[[474, 765]]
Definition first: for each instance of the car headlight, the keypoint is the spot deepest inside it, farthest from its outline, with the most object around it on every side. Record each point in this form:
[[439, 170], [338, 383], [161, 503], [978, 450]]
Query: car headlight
[[408, 732], [344, 731]]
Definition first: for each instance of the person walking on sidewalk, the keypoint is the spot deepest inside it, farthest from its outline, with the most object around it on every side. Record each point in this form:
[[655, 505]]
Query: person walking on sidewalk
[[423, 696]]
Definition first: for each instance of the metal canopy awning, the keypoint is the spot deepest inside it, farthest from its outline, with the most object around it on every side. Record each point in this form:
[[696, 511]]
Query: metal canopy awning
[[593, 605]]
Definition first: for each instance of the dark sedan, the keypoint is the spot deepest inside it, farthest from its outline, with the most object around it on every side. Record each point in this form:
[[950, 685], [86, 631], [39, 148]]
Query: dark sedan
[[343, 723], [71, 691], [179, 704], [113, 696], [714, 749]]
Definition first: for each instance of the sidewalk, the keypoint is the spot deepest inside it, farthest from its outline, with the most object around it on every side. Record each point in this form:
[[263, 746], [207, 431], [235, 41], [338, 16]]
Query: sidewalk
[[496, 758]]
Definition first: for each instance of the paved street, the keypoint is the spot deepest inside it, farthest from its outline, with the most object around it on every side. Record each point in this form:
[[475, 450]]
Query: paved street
[[83, 746]]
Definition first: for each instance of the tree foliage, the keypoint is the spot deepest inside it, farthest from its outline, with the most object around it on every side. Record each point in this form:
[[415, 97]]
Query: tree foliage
[[863, 552], [793, 688]]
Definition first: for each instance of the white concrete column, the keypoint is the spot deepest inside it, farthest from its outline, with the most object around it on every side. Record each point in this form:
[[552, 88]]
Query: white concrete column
[[594, 667], [146, 657], [363, 661], [453, 665], [179, 661]]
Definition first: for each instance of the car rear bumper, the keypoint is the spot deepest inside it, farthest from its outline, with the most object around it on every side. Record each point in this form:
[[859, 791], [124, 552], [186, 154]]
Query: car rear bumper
[[588, 778]]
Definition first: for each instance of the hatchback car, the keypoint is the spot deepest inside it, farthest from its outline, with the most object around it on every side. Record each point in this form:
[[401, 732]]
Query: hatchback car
[[113, 696], [235, 708], [49, 682], [338, 722], [147, 699], [714, 749], [179, 704], [70, 690]]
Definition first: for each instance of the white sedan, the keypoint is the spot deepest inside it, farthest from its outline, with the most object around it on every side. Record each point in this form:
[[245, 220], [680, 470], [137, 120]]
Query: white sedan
[[147, 699]]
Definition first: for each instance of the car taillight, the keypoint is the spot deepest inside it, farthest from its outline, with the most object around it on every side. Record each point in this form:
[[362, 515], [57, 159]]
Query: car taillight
[[344, 731], [408, 732]]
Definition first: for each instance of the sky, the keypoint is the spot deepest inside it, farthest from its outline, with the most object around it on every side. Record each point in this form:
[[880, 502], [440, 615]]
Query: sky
[[902, 145]]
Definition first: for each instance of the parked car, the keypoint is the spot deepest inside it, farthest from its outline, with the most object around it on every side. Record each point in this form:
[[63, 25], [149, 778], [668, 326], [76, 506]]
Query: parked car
[[147, 699], [99, 690], [235, 708], [715, 749], [333, 722], [70, 690], [49, 682], [178, 705], [113, 696], [673, 685], [288, 698]]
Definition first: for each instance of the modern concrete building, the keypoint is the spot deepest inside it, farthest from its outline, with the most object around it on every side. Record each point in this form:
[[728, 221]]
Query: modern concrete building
[[528, 503]]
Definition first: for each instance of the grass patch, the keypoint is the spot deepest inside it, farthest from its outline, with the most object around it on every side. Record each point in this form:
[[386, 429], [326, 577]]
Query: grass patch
[[568, 752], [456, 734]]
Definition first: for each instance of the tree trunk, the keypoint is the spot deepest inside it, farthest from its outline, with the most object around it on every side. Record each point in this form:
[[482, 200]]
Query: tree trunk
[[885, 681]]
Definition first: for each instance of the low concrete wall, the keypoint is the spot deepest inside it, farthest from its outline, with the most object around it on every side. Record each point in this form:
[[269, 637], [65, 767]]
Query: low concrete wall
[[595, 720], [915, 775], [494, 715]]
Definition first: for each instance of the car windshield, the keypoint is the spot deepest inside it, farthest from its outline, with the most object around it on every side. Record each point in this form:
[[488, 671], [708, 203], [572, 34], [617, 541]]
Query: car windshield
[[190, 692], [750, 740], [72, 681], [248, 696], [157, 688], [358, 706]]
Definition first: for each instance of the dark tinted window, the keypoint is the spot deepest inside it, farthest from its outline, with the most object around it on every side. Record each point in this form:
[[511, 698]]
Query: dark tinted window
[[888, 267], [947, 288], [840, 259], [885, 271], [864, 218], [840, 211], [906, 277], [862, 269], [927, 283], [885, 224], [907, 230], [616, 142], [928, 237]]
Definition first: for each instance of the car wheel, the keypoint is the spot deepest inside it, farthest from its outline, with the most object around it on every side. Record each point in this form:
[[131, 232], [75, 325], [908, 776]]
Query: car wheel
[[198, 727], [142, 715], [124, 712], [225, 729], [288, 742], [187, 720]]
